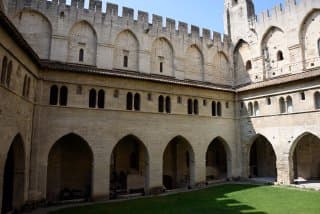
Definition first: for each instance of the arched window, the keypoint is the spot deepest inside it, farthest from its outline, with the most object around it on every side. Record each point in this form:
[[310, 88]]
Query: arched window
[[125, 61], [129, 101], [92, 98], [63, 96], [289, 105], [213, 108], [161, 67], [319, 47], [190, 108], [280, 56], [168, 105], [81, 55], [250, 109], [256, 109], [317, 100], [196, 107], [4, 70], [161, 104], [54, 95], [9, 71], [137, 102], [219, 109], [101, 96], [282, 104], [248, 65]]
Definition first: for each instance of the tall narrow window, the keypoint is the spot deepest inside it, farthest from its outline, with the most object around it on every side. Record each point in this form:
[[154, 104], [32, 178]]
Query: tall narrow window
[[219, 109], [213, 109], [196, 107], [256, 109], [319, 47], [303, 96], [250, 109], [54, 95], [63, 96], [317, 100], [282, 105], [9, 71], [125, 61], [289, 105], [129, 101], [280, 56], [161, 104], [101, 97], [161, 67], [137, 102], [190, 109], [28, 87], [168, 105], [81, 55], [24, 89], [248, 65], [4, 70], [92, 98]]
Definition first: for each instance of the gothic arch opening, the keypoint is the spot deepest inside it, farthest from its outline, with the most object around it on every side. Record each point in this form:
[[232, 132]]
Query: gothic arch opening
[[271, 45], [262, 159], [305, 158], [178, 164], [129, 167], [217, 160], [221, 67], [125, 55], [242, 55], [40, 36], [162, 57], [14, 177], [82, 41], [194, 63], [309, 36], [69, 172]]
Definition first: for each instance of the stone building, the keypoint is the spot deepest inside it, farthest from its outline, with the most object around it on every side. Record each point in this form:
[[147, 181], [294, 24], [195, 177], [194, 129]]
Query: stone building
[[95, 105]]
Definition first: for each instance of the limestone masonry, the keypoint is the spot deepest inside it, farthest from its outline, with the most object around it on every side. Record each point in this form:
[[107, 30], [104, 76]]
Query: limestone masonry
[[97, 105]]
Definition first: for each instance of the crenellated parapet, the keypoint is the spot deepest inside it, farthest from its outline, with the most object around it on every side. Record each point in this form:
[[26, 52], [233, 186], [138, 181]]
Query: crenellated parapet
[[108, 38]]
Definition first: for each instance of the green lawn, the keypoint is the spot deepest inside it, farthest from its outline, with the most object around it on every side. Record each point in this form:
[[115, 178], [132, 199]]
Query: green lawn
[[220, 199]]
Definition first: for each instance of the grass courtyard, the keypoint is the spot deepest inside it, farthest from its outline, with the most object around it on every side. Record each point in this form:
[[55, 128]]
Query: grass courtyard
[[230, 198]]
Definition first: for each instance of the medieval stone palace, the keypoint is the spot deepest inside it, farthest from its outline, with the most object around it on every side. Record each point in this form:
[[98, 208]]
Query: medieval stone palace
[[95, 105]]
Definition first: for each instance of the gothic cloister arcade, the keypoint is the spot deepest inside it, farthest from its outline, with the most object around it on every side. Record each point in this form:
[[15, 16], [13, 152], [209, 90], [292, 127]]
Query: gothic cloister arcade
[[129, 168], [14, 176], [262, 159], [178, 164], [69, 172]]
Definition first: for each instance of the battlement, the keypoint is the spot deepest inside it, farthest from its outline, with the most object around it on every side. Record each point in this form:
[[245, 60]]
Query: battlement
[[280, 11], [95, 14]]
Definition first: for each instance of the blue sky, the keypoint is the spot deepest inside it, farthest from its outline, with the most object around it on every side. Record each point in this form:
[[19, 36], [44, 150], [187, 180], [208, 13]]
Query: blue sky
[[202, 13]]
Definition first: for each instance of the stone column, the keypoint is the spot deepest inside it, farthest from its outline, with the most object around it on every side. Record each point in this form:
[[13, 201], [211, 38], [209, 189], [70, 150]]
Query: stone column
[[155, 169], [100, 176], [283, 169]]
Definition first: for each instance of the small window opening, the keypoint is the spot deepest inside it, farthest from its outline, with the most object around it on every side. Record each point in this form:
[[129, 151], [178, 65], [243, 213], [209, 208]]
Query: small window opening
[[280, 56], [81, 55], [248, 65]]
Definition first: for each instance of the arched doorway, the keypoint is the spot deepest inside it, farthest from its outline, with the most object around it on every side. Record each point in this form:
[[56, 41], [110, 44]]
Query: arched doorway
[[14, 177], [216, 161], [69, 174], [129, 168], [306, 159], [262, 159], [178, 164]]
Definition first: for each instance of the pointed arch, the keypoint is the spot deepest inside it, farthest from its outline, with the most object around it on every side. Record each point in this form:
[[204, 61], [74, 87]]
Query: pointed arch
[[242, 54], [162, 59], [125, 55], [129, 166], [194, 63], [178, 172], [40, 36], [69, 169], [309, 41], [82, 43]]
